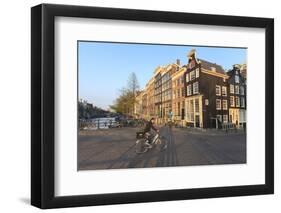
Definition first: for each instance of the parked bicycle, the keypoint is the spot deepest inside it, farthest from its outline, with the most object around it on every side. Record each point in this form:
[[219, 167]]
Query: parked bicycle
[[143, 146]]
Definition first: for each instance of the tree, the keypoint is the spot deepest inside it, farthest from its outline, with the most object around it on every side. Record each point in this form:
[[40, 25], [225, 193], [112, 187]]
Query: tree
[[125, 103], [133, 84]]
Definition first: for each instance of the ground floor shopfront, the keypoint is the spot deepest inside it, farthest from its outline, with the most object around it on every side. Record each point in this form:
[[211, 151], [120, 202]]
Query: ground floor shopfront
[[237, 116], [194, 111]]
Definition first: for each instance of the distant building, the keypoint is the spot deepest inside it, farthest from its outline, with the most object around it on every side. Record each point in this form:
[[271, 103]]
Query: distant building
[[166, 104], [243, 70], [163, 92], [158, 93], [178, 96], [138, 106], [237, 96], [150, 99]]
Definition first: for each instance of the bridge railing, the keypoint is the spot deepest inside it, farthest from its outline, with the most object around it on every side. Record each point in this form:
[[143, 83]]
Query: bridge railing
[[95, 124]]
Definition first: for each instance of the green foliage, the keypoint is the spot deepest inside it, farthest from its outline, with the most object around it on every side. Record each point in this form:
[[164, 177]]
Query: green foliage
[[126, 101]]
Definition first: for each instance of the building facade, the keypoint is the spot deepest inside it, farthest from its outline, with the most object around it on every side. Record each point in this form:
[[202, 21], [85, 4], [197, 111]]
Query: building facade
[[237, 96], [150, 99], [138, 106], [166, 103], [158, 93], [198, 94], [206, 93], [178, 96]]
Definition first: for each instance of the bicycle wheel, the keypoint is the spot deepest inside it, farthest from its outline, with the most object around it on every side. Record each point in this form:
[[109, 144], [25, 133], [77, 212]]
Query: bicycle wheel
[[162, 145], [140, 146]]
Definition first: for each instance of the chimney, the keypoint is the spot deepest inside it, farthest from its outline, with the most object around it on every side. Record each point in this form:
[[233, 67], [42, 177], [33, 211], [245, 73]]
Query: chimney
[[178, 62]]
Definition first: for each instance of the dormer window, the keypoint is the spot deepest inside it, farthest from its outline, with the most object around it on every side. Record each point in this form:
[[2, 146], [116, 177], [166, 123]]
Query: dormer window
[[213, 69]]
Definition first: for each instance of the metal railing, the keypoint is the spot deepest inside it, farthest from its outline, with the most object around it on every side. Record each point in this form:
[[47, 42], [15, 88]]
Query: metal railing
[[229, 127], [94, 124]]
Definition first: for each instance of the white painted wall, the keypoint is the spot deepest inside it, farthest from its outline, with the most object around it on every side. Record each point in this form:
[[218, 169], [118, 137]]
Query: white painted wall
[[15, 106]]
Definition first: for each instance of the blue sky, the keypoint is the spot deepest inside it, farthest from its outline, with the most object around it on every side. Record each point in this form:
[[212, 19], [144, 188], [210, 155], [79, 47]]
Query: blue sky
[[104, 67]]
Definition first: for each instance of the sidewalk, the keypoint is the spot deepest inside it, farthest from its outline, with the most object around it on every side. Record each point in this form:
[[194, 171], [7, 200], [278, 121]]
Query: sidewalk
[[202, 131]]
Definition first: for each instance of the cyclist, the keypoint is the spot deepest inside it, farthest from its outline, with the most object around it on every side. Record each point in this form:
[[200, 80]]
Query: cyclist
[[147, 130]]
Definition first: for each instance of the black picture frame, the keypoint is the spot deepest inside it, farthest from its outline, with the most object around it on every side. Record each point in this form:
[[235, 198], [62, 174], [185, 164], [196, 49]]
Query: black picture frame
[[43, 105]]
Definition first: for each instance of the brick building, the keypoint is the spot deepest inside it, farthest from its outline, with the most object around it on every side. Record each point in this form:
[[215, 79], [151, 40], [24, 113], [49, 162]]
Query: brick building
[[198, 94], [178, 96], [237, 96], [206, 93]]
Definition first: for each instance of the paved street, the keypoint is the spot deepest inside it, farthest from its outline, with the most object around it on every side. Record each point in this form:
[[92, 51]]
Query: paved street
[[114, 149]]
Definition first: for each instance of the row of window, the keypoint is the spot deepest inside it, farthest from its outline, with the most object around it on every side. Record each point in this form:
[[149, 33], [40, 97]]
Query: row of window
[[221, 104], [192, 88], [222, 118], [237, 89], [166, 77], [166, 85], [166, 95], [236, 101], [179, 93], [178, 81], [192, 75], [221, 90]]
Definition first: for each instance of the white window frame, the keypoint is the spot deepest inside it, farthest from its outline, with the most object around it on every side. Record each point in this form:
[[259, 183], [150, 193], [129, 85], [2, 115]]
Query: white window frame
[[192, 108], [195, 87], [197, 73], [192, 75], [224, 118], [224, 104], [224, 91], [207, 102], [218, 100], [188, 90], [187, 77], [231, 88], [237, 88], [232, 103], [196, 100], [218, 87], [237, 101]]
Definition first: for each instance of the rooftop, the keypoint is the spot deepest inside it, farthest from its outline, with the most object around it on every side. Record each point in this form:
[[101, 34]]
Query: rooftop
[[209, 66]]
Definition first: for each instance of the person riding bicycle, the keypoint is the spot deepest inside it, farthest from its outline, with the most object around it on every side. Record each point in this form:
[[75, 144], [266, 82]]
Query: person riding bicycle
[[147, 130]]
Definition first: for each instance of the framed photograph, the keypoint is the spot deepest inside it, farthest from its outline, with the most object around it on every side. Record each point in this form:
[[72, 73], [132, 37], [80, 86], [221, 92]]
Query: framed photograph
[[140, 106]]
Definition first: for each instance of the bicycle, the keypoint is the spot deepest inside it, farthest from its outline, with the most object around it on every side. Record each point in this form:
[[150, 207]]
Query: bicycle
[[142, 139]]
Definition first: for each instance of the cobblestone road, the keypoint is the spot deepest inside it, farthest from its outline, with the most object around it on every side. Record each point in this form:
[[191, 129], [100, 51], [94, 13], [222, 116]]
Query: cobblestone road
[[115, 148]]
